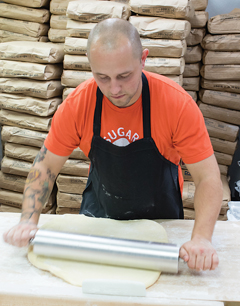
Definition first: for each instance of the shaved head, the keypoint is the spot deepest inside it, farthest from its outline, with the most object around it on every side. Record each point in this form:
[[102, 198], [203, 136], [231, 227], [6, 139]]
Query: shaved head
[[109, 35]]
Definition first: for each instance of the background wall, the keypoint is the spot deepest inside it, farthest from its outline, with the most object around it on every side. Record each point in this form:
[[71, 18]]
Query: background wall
[[216, 7]]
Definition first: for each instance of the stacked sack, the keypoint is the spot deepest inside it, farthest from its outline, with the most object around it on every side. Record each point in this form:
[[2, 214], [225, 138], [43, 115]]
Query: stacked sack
[[220, 93], [30, 92], [24, 20], [163, 28], [82, 17], [220, 97], [58, 21], [193, 56]]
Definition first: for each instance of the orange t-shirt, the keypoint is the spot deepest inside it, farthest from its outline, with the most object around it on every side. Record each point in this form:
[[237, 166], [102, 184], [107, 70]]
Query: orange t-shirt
[[177, 124]]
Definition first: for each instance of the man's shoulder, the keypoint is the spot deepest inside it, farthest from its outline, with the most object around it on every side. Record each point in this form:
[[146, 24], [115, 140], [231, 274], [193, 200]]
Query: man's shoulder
[[160, 82], [84, 89]]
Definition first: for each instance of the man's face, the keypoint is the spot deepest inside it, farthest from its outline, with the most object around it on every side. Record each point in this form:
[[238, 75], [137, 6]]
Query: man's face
[[117, 72]]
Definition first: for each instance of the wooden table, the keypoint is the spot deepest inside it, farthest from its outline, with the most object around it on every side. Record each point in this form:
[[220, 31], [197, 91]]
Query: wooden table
[[22, 284]]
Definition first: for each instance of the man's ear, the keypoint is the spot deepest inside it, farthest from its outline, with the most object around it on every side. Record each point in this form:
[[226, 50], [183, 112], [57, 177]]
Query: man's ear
[[144, 57]]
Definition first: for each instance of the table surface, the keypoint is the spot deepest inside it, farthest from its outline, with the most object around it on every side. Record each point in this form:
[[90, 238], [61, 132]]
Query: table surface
[[20, 281]]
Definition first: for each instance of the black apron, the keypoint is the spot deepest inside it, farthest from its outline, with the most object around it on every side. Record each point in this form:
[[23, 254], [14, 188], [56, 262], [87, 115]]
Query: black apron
[[131, 182]]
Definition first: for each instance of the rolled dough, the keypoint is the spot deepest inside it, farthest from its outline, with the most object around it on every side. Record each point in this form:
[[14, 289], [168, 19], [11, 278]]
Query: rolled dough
[[76, 272]]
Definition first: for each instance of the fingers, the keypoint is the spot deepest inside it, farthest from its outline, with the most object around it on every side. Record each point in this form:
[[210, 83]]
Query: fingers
[[20, 234], [201, 256], [183, 254]]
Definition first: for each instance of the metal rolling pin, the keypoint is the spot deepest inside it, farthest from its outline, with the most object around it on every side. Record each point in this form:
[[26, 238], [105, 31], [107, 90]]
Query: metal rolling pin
[[103, 250]]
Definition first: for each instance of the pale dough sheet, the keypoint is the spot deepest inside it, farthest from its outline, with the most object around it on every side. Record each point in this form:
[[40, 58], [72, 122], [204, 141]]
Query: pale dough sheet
[[75, 272]]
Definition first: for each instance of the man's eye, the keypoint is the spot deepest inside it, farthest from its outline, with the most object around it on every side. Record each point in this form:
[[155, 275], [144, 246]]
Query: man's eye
[[103, 77], [124, 76]]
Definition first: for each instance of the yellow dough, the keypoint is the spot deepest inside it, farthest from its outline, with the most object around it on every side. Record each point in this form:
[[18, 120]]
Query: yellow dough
[[76, 272]]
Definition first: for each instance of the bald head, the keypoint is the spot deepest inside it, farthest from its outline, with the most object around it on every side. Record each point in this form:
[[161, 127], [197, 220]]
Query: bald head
[[109, 34]]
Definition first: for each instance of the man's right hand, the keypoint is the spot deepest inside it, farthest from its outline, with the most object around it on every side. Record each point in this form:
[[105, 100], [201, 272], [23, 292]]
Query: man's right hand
[[20, 234]]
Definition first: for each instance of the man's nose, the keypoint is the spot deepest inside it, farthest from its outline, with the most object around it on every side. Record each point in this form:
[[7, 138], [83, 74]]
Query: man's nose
[[115, 87]]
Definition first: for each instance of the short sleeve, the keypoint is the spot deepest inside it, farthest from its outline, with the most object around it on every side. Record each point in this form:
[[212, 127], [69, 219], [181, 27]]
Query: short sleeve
[[63, 136], [191, 138]]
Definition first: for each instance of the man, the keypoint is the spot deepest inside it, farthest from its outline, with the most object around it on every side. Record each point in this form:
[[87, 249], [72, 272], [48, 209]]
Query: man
[[134, 126]]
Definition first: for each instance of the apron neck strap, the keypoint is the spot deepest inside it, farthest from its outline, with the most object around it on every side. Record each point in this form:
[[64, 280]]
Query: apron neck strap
[[145, 105]]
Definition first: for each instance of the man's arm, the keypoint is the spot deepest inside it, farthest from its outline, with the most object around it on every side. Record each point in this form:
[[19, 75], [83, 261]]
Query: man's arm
[[199, 252], [38, 187]]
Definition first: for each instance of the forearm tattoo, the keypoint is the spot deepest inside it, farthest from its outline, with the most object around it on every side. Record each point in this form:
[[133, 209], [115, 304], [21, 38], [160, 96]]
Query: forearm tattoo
[[38, 188], [41, 155]]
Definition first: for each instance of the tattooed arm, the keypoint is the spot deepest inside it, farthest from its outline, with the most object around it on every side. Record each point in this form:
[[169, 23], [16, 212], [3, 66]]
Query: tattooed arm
[[38, 188]]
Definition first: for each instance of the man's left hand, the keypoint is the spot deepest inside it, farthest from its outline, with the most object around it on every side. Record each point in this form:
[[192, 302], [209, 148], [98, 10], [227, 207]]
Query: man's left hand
[[199, 254]]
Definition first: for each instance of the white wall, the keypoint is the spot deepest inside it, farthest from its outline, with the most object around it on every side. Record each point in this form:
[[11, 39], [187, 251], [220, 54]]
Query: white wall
[[216, 7]]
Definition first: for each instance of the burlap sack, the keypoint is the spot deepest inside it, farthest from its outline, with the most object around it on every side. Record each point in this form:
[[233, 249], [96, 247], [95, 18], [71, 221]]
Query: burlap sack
[[228, 86], [223, 159], [57, 35], [189, 214], [29, 105], [191, 70], [191, 83], [33, 29], [229, 42], [73, 78], [66, 92], [189, 191], [223, 169], [223, 146], [165, 66], [18, 151], [219, 113], [9, 209], [23, 136], [221, 130], [32, 88], [164, 48], [221, 72], [200, 5], [70, 184], [79, 29], [20, 167], [95, 11], [66, 210], [195, 37], [193, 94], [29, 3], [199, 20], [7, 36], [225, 23], [75, 167], [221, 58], [75, 45], [181, 9], [68, 201], [15, 199], [76, 62], [78, 154], [43, 72], [155, 27], [176, 78], [32, 52], [15, 166], [58, 22], [23, 13], [24, 120], [193, 54], [24, 140], [220, 98], [12, 182], [59, 7], [122, 1]]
